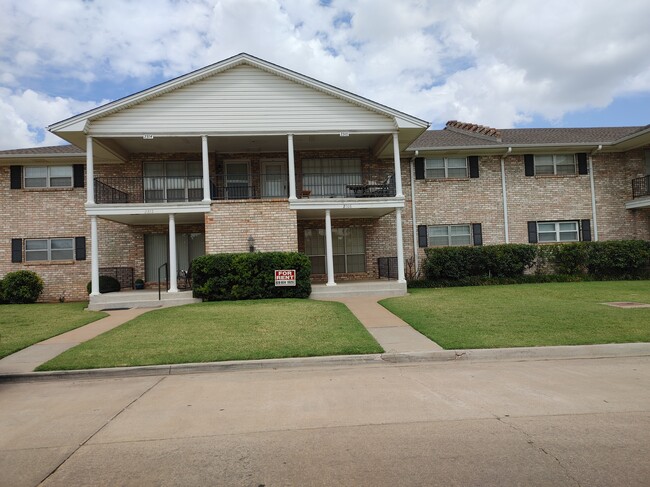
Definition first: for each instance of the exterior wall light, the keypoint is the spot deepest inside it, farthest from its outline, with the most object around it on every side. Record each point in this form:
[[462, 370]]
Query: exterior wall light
[[251, 244]]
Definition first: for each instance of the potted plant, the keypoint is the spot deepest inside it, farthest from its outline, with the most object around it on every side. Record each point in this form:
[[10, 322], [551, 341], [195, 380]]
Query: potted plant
[[139, 284]]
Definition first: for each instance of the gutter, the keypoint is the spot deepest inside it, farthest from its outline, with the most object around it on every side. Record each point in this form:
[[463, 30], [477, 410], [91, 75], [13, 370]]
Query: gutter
[[593, 190], [413, 223], [505, 196]]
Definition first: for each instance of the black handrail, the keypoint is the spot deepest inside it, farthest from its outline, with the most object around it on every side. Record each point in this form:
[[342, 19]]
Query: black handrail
[[166, 279]]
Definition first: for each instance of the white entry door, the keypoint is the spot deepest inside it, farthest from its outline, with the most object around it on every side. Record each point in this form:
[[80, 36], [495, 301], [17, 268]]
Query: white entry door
[[274, 179]]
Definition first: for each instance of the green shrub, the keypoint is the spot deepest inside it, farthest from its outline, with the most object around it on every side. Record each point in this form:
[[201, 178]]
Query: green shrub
[[449, 263], [619, 258], [107, 284], [2, 294], [570, 258], [225, 277], [21, 287], [508, 260]]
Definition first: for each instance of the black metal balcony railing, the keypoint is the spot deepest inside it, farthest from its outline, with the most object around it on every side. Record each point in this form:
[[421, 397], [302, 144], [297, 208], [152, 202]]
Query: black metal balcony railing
[[352, 185], [148, 189], [240, 187], [641, 187], [152, 189]]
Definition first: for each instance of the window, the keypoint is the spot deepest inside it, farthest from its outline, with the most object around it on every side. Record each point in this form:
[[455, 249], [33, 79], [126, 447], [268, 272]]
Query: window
[[445, 167], [558, 231], [48, 176], [348, 249], [449, 235], [173, 181], [49, 249], [555, 165], [330, 177]]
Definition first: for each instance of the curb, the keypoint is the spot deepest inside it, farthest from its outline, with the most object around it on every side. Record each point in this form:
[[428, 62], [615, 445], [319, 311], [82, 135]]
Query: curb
[[519, 354]]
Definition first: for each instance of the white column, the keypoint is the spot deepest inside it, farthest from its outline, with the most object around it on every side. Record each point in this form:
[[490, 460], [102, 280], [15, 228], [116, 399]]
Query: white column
[[94, 257], [90, 172], [329, 257], [398, 171], [292, 168], [206, 169], [173, 287], [400, 246]]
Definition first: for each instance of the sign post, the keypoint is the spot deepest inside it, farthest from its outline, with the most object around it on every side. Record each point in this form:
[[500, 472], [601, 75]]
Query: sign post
[[286, 277]]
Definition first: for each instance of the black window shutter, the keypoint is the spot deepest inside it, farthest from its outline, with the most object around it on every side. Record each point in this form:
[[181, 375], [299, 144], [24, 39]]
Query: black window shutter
[[16, 177], [419, 168], [585, 227], [529, 164], [16, 250], [422, 236], [473, 166], [582, 163], [477, 233], [78, 175], [80, 248], [532, 232]]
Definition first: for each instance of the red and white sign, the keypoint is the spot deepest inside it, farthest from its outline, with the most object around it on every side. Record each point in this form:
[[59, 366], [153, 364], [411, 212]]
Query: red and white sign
[[285, 277]]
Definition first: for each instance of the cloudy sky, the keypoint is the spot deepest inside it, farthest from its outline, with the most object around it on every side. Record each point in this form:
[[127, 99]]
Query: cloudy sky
[[503, 63]]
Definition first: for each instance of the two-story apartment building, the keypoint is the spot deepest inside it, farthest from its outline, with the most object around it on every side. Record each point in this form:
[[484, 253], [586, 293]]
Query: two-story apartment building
[[244, 155]]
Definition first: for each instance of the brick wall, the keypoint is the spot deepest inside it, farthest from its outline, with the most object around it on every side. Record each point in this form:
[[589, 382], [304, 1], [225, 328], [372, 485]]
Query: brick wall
[[270, 222]]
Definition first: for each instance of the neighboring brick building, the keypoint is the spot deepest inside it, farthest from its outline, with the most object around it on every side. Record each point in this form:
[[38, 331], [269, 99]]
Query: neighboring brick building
[[247, 155]]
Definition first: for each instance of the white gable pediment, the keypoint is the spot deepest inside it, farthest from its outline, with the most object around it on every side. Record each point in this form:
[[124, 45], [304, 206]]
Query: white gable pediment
[[243, 99]]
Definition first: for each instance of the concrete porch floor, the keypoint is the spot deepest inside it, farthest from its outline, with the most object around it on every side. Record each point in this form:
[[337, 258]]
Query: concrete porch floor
[[376, 287]]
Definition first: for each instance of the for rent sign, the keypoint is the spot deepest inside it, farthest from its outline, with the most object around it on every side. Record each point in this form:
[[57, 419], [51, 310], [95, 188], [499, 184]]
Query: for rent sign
[[285, 277]]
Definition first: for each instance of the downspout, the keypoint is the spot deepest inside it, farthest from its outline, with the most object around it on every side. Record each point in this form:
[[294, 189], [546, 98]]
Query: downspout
[[505, 196], [593, 190], [415, 228]]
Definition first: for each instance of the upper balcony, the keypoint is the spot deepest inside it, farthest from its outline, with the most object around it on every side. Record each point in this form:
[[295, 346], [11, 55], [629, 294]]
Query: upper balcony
[[244, 186], [641, 187], [640, 193]]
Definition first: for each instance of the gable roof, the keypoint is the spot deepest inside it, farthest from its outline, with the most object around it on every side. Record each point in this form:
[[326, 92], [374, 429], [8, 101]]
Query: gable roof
[[458, 136], [401, 118], [53, 150]]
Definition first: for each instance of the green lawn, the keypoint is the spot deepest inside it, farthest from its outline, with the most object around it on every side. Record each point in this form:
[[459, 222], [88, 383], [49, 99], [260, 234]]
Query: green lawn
[[239, 330], [527, 315], [22, 325]]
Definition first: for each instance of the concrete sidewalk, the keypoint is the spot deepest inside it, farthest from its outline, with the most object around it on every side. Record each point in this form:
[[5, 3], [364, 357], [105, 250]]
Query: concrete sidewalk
[[393, 334], [27, 359]]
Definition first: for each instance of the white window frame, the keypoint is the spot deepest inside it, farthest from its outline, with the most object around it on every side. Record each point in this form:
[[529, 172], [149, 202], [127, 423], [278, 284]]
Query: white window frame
[[555, 164], [449, 235], [557, 231], [48, 177], [445, 167], [49, 250]]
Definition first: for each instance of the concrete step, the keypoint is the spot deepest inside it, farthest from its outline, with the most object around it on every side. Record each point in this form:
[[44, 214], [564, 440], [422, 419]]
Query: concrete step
[[140, 299], [360, 288]]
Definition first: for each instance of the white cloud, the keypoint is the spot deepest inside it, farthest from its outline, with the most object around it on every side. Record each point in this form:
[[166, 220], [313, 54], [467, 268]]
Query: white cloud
[[494, 62], [24, 116]]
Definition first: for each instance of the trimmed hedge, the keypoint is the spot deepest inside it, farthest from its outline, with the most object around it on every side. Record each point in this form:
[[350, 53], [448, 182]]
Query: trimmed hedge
[[107, 284], [227, 277], [453, 263], [471, 266], [21, 287]]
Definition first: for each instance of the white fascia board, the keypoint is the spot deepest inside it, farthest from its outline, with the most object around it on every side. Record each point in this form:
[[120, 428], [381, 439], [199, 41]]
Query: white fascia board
[[207, 71], [516, 148], [146, 208], [346, 203]]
